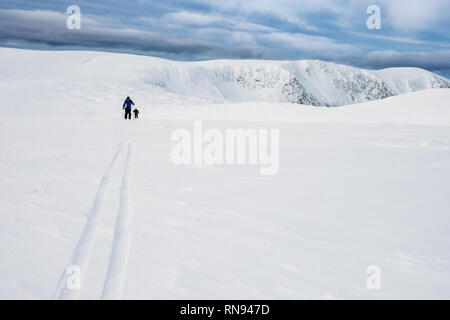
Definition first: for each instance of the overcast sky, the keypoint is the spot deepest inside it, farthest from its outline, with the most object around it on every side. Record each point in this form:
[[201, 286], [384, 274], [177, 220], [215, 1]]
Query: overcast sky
[[413, 33]]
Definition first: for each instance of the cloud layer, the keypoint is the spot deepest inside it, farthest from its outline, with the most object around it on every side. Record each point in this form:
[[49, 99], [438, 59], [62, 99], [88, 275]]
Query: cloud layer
[[415, 33]]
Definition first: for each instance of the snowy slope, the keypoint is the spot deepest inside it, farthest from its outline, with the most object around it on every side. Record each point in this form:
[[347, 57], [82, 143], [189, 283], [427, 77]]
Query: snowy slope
[[304, 82], [358, 185]]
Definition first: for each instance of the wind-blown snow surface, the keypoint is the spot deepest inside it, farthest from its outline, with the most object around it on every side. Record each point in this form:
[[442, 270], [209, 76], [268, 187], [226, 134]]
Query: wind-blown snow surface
[[358, 185]]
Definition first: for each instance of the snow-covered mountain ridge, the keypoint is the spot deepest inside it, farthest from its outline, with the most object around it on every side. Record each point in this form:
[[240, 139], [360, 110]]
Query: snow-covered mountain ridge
[[309, 82]]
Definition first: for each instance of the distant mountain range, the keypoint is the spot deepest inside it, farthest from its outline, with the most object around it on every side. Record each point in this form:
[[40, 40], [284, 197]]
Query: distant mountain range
[[111, 76], [309, 82]]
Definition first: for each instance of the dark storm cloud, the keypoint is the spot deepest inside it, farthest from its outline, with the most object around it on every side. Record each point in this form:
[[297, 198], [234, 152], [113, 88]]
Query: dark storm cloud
[[427, 60], [49, 28], [182, 34]]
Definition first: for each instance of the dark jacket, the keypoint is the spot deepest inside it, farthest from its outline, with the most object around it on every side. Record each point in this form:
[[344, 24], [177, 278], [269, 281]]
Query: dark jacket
[[128, 104]]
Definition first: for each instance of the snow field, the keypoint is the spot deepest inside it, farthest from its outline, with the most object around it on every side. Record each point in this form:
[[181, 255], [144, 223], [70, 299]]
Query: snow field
[[357, 186]]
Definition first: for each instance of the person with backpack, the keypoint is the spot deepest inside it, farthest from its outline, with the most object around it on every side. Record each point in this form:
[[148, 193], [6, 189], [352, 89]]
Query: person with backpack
[[127, 107]]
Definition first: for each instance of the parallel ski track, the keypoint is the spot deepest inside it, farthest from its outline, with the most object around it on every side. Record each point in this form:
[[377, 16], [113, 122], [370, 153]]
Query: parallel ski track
[[116, 275], [81, 255]]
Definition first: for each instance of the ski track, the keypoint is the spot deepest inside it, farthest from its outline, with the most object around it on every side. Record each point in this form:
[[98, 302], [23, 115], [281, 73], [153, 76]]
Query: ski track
[[114, 284], [82, 253]]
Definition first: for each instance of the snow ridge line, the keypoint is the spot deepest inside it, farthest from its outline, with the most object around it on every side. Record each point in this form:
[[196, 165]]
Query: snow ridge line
[[82, 253], [114, 284]]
